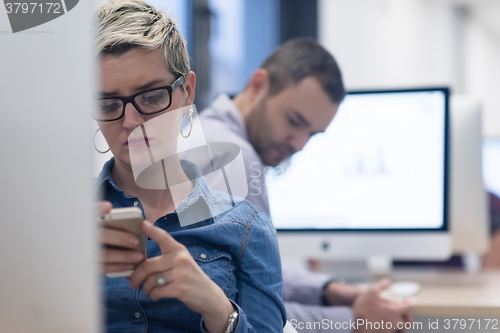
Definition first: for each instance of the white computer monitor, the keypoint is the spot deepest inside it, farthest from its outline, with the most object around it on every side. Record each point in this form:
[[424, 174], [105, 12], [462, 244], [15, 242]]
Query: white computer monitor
[[374, 185], [48, 270], [469, 218], [491, 165]]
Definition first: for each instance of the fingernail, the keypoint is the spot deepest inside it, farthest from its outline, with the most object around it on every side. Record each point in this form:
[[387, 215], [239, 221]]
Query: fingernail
[[137, 256], [133, 241]]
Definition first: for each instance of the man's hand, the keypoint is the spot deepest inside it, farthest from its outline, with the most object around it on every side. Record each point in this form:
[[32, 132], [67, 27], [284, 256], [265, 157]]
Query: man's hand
[[338, 293], [371, 307], [491, 259]]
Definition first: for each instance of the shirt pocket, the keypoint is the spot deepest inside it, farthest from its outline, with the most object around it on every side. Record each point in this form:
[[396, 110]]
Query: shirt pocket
[[216, 264]]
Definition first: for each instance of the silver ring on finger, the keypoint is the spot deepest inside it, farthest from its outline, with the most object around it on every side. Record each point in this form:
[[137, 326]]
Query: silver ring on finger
[[160, 280]]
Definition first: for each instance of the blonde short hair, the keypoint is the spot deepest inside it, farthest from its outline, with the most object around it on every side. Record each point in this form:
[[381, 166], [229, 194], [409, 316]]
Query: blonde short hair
[[126, 24]]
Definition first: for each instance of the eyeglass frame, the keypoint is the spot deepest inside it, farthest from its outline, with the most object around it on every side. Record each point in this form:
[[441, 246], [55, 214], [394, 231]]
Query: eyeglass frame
[[131, 99]]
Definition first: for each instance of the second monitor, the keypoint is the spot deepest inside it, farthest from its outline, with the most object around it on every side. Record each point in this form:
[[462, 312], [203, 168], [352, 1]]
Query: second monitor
[[375, 184]]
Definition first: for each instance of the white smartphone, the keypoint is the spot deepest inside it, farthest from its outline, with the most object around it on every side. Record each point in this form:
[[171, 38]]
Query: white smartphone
[[130, 220]]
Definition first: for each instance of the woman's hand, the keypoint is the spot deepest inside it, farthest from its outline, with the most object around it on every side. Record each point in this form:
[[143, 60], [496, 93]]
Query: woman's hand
[[116, 260], [185, 280]]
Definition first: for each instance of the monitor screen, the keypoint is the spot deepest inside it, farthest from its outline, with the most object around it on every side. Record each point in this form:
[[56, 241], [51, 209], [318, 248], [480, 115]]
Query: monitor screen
[[380, 165], [491, 165]]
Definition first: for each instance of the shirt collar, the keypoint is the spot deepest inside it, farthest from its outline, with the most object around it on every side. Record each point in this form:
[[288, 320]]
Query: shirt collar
[[200, 191], [226, 108]]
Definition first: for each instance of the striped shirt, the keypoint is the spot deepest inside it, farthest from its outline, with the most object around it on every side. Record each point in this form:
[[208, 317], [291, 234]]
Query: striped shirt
[[222, 122]]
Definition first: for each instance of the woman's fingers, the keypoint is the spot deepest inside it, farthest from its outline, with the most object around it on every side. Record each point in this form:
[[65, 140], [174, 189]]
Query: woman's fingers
[[150, 267], [114, 268], [115, 237], [103, 207], [151, 287], [119, 260], [180, 276], [174, 256], [112, 256], [166, 242]]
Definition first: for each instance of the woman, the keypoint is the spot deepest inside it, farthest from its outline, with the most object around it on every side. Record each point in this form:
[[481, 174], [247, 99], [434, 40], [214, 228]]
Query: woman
[[219, 274]]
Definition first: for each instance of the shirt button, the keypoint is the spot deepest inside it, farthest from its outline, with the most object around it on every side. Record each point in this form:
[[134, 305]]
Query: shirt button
[[136, 204], [137, 315], [203, 256]]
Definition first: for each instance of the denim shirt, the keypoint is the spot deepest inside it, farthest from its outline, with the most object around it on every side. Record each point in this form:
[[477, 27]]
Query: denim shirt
[[237, 249]]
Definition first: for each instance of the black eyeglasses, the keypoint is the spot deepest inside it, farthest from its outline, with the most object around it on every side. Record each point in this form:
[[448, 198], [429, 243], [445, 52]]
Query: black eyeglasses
[[147, 102]]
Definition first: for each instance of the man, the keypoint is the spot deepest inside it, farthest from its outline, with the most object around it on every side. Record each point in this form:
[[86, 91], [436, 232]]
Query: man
[[293, 96]]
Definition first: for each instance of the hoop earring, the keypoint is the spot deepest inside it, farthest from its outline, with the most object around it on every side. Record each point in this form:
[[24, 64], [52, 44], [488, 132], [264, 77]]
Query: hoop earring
[[95, 146], [190, 114]]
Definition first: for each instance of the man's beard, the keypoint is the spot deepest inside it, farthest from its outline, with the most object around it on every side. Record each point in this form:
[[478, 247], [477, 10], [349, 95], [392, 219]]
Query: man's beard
[[259, 131]]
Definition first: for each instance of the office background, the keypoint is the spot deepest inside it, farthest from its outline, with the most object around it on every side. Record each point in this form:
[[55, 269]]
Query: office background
[[378, 43]]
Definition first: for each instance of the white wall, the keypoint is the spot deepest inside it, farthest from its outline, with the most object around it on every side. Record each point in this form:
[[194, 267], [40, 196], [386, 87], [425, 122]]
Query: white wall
[[482, 62], [409, 43]]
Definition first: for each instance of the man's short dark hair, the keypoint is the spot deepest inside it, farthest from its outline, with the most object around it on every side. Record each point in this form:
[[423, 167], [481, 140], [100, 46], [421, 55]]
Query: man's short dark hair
[[300, 58]]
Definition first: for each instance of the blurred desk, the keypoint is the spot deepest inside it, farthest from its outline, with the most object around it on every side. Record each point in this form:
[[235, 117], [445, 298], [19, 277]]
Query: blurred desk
[[454, 294]]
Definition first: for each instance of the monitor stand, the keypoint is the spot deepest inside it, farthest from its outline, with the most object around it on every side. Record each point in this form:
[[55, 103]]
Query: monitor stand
[[379, 266], [357, 270], [376, 267]]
